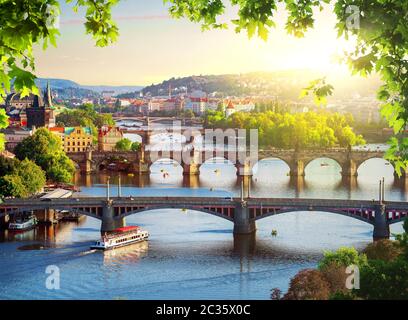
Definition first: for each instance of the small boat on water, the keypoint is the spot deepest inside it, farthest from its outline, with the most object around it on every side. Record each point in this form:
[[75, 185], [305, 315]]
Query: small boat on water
[[71, 216], [121, 237], [23, 223], [324, 164]]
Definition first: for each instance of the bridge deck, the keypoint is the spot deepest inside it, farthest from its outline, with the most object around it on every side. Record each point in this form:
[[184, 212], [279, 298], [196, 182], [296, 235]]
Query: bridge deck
[[228, 208], [124, 201]]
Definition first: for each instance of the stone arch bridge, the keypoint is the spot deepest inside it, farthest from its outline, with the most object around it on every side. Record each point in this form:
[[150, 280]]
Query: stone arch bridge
[[297, 160], [243, 213]]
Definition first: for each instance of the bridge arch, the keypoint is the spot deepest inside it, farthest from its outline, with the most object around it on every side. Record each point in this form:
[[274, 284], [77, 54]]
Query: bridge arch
[[286, 162], [167, 161], [360, 166], [134, 136], [337, 162], [365, 216], [210, 211], [95, 214], [215, 161], [103, 163], [76, 164]]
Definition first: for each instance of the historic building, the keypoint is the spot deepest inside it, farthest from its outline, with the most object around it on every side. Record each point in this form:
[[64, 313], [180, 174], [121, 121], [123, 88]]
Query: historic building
[[31, 111], [15, 101], [74, 139], [230, 109], [108, 136], [14, 135]]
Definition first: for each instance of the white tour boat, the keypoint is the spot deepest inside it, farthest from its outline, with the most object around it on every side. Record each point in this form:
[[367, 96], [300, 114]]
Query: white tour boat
[[23, 223], [121, 237]]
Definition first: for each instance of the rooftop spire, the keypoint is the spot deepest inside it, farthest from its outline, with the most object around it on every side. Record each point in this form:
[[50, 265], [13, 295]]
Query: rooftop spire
[[47, 96]]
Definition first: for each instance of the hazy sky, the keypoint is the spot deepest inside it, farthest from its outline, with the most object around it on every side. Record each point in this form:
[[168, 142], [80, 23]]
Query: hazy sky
[[153, 47]]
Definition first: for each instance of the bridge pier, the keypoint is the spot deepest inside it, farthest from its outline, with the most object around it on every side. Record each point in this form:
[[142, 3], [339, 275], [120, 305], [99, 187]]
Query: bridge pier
[[381, 226], [242, 222], [297, 168], [142, 180], [148, 137], [244, 169], [109, 222], [140, 167], [46, 216], [191, 169], [85, 167], [349, 169], [297, 183], [191, 181]]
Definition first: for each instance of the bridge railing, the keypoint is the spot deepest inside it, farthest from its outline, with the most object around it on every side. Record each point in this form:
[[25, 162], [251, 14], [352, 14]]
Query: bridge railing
[[320, 150]]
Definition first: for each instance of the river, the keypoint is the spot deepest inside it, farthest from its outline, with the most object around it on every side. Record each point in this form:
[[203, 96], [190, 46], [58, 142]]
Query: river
[[193, 255]]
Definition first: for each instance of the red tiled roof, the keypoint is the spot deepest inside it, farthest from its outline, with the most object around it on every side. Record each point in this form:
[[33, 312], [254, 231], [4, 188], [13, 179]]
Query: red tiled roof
[[230, 105], [57, 129], [105, 130]]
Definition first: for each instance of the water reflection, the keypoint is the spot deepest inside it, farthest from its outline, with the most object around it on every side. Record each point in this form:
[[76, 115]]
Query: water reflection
[[45, 234], [125, 255], [244, 245]]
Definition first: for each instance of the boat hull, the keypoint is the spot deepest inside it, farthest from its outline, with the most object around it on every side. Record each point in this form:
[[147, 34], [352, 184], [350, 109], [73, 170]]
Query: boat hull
[[16, 230], [102, 248], [22, 226]]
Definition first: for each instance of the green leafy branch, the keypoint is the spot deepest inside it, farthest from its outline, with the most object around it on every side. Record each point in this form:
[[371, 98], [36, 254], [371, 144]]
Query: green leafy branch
[[320, 91]]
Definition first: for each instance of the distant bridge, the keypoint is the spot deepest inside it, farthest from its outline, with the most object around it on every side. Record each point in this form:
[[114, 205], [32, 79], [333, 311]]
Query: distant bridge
[[146, 120], [242, 212], [297, 160]]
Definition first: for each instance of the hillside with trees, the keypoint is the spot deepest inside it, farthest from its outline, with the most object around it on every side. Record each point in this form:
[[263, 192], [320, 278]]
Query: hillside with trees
[[285, 85]]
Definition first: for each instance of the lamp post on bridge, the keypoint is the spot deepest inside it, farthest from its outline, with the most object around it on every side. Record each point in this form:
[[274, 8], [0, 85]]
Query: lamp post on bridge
[[381, 191], [242, 191], [119, 187], [107, 188]]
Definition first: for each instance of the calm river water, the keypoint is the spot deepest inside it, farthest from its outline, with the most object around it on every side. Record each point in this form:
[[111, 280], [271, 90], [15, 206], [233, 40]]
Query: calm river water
[[192, 255]]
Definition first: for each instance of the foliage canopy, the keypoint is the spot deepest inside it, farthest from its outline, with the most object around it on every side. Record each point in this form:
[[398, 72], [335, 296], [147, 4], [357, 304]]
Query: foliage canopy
[[20, 178], [123, 145], [309, 130], [45, 149]]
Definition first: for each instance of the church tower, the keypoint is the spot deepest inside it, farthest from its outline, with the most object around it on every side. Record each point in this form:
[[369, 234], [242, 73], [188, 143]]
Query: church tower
[[48, 96], [41, 114]]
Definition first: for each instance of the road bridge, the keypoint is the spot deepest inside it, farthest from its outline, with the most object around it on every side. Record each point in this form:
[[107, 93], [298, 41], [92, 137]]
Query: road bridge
[[243, 213]]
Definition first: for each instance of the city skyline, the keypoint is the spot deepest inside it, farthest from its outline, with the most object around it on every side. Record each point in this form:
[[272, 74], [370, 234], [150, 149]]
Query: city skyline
[[144, 54]]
